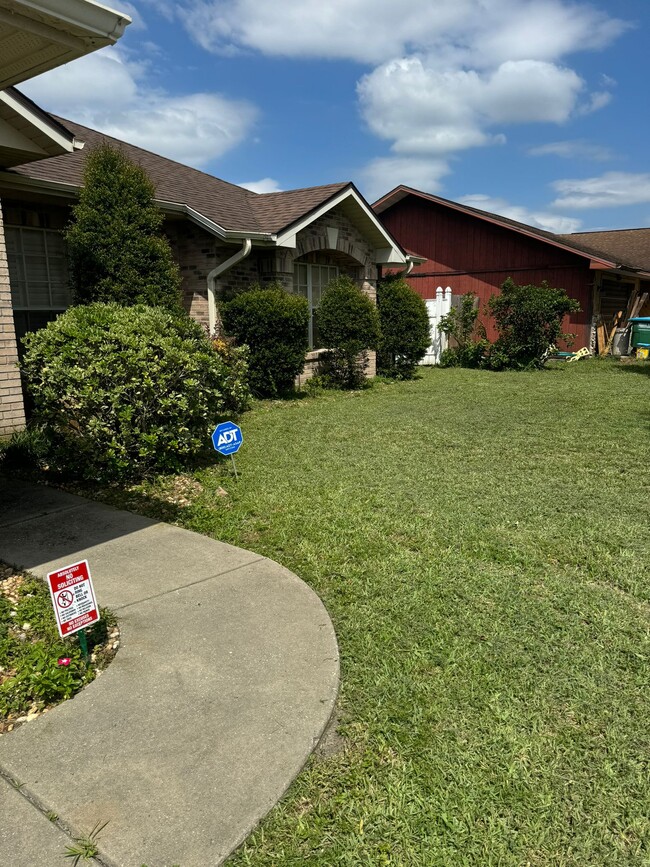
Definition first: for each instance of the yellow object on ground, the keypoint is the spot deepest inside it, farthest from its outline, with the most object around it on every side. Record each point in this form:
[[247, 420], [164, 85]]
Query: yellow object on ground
[[581, 353]]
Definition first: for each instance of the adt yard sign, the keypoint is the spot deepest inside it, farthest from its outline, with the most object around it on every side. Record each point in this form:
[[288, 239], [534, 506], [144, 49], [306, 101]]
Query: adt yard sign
[[73, 598], [227, 438]]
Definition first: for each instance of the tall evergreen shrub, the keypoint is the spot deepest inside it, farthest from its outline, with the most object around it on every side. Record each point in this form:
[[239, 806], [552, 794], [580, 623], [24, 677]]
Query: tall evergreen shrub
[[404, 323], [349, 326], [273, 324], [116, 249]]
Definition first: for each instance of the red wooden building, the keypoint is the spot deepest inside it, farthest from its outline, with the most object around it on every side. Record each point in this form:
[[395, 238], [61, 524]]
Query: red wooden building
[[475, 251]]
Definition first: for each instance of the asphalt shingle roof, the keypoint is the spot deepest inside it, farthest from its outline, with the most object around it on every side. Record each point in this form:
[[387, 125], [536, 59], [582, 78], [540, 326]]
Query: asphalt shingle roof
[[631, 246], [229, 206]]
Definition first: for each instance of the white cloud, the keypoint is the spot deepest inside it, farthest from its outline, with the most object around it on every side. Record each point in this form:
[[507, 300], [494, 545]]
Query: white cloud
[[425, 111], [110, 91], [373, 31], [540, 219], [613, 189], [385, 173], [573, 149], [264, 185]]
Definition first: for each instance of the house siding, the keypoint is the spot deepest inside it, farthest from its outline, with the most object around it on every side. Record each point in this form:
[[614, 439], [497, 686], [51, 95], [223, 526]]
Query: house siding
[[472, 255], [12, 413]]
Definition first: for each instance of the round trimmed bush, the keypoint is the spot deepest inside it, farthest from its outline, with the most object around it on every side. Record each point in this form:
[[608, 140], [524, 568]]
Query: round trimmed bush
[[349, 326], [121, 392], [273, 324], [404, 325]]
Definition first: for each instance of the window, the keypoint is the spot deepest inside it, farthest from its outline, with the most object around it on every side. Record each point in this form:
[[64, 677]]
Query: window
[[38, 272], [310, 280]]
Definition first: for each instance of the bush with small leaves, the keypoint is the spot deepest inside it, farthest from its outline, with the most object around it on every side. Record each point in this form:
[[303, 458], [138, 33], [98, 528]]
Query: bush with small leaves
[[529, 321], [273, 324], [404, 323], [349, 326], [122, 392]]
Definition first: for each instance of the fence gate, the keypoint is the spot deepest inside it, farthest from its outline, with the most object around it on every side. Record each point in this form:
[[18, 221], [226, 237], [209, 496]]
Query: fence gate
[[437, 308]]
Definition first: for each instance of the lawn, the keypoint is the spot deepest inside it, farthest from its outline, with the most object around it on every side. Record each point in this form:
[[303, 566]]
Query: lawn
[[482, 544]]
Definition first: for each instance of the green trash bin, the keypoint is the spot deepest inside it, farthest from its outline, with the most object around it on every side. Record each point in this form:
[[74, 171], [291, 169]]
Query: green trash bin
[[640, 331]]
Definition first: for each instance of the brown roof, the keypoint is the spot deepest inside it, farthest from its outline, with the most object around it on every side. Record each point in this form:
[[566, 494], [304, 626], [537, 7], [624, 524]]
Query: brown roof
[[631, 246], [229, 206], [276, 211], [621, 248]]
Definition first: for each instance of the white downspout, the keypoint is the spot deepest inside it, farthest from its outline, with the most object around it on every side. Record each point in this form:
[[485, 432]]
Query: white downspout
[[216, 273]]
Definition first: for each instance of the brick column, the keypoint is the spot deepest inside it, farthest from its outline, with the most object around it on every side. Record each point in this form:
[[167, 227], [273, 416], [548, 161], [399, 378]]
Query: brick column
[[12, 411]]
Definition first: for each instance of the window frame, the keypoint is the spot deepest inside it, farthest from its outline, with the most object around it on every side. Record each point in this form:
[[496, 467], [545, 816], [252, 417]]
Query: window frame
[[20, 298], [306, 288]]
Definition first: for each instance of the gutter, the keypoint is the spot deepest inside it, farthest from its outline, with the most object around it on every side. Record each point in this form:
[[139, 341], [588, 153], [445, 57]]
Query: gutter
[[214, 275]]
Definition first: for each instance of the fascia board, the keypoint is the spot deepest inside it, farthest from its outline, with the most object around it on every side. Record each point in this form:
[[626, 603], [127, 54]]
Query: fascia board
[[68, 144], [94, 18]]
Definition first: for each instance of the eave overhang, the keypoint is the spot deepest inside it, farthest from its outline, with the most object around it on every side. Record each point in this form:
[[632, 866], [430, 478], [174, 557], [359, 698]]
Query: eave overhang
[[28, 134], [38, 35]]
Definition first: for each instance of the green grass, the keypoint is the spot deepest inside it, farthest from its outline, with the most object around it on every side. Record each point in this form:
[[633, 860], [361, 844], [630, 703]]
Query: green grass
[[481, 542]]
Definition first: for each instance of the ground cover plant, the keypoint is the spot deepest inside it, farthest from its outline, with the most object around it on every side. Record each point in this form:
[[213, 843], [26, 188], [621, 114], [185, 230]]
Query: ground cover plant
[[31, 677], [480, 541]]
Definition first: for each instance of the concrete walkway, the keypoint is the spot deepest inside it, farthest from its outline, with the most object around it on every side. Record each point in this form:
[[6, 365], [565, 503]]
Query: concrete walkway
[[226, 677]]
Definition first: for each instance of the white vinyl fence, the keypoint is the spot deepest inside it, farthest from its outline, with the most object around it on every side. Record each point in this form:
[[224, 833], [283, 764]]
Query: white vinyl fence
[[437, 308]]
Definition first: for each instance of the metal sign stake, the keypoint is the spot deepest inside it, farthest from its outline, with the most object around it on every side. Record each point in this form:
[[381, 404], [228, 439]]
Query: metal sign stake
[[232, 458], [83, 644]]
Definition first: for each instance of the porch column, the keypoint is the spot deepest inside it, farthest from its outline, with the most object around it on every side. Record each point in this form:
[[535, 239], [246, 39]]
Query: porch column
[[12, 410]]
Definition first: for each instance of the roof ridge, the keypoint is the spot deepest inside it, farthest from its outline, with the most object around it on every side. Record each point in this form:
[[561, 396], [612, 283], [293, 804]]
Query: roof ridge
[[339, 185]]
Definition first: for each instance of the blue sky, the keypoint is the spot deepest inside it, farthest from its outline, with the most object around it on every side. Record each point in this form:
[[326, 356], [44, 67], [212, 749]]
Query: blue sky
[[536, 109]]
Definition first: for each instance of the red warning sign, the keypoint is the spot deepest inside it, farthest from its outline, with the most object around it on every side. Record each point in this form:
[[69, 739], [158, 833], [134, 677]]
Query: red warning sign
[[73, 598]]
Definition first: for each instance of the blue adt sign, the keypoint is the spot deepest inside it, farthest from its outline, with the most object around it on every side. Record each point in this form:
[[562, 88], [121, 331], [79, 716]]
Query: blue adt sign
[[227, 438]]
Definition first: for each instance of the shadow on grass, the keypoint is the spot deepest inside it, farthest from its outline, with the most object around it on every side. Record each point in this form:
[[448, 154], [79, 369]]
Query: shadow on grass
[[642, 367]]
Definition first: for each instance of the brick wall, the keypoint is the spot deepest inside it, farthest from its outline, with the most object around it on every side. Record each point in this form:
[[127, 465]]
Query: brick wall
[[12, 413]]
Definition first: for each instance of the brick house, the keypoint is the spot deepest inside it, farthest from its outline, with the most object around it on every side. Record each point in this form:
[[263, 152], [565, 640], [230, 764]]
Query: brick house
[[223, 237], [475, 251], [35, 36]]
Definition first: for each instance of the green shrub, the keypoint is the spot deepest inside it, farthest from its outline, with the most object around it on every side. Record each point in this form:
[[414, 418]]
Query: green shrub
[[349, 326], [116, 248], [273, 324], [123, 392], [462, 326], [529, 320], [27, 450], [404, 324]]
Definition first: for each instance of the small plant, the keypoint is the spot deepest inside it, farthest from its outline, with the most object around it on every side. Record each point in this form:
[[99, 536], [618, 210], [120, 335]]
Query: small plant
[[529, 320], [27, 450], [273, 324], [404, 323], [124, 392], [462, 326], [349, 327], [85, 847]]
